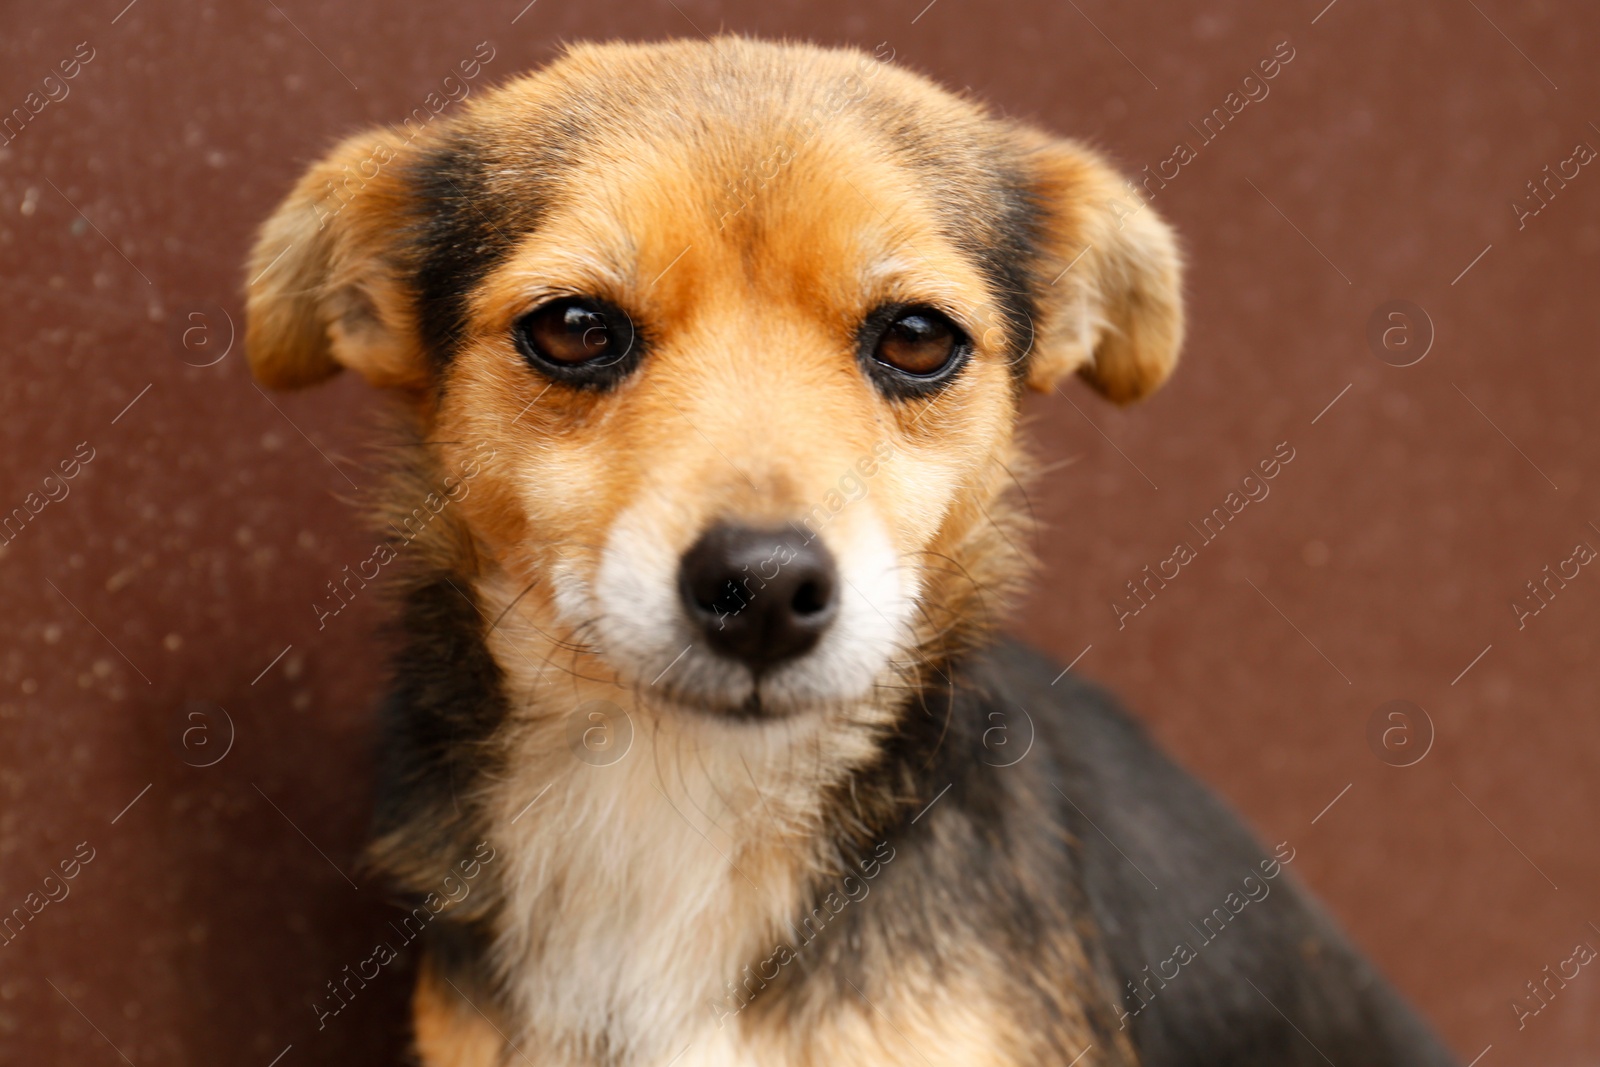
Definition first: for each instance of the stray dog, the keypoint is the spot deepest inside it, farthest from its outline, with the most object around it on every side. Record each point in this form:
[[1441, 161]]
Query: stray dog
[[709, 358]]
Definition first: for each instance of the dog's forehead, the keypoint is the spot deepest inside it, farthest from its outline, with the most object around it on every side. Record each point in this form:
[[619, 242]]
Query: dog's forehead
[[800, 160], [828, 220], [701, 92]]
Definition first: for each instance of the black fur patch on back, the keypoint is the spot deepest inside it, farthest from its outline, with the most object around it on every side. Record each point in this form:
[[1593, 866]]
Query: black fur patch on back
[[1094, 835]]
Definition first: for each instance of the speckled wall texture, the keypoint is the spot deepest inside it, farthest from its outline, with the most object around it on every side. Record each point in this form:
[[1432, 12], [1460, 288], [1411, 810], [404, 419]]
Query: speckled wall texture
[[177, 732]]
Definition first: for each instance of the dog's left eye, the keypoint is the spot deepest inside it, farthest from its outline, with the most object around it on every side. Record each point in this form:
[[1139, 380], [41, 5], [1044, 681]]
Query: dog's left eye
[[913, 349], [579, 340]]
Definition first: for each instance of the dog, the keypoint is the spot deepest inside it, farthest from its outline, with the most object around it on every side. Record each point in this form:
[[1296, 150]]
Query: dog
[[703, 746]]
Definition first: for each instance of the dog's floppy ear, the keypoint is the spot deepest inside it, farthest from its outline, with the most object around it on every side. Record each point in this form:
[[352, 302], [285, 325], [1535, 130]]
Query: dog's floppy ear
[[1111, 306], [325, 291]]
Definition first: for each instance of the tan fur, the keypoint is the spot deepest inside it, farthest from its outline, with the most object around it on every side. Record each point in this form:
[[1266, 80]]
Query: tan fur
[[1118, 315], [323, 293], [629, 899], [448, 1031]]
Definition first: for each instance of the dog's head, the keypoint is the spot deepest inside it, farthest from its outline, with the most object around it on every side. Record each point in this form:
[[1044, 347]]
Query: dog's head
[[743, 330]]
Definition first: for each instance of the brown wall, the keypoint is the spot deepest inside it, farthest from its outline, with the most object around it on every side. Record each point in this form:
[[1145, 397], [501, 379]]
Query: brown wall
[[1385, 560]]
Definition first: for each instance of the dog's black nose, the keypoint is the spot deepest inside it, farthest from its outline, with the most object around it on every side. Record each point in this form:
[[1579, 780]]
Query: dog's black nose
[[759, 596]]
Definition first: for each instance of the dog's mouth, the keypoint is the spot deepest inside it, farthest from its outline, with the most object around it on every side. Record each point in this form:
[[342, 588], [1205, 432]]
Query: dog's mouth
[[704, 681], [752, 709]]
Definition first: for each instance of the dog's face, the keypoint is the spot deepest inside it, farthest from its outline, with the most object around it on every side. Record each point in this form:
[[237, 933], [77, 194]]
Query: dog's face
[[743, 329]]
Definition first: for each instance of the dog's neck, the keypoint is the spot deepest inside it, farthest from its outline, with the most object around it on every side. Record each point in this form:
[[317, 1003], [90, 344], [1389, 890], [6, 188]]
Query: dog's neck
[[643, 871]]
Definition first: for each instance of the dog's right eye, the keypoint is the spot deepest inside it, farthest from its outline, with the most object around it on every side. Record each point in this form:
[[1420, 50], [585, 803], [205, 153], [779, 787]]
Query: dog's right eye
[[579, 340]]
